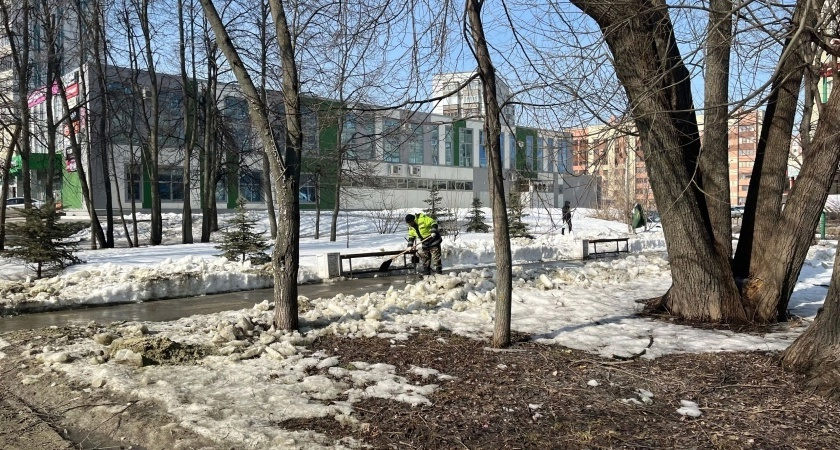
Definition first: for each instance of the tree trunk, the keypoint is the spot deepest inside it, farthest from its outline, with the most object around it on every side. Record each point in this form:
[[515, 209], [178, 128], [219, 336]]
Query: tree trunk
[[815, 351], [102, 123], [268, 193], [189, 110], [492, 129], [759, 224], [767, 292], [209, 151], [4, 194], [714, 160], [286, 247], [285, 167], [152, 148], [649, 67]]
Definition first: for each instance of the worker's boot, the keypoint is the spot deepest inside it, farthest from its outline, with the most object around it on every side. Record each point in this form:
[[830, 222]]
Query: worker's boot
[[439, 270]]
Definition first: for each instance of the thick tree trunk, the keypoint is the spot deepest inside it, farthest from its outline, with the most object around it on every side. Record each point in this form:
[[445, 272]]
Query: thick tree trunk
[[759, 225], [767, 292], [102, 142], [816, 351], [492, 129], [209, 149], [714, 159], [649, 66]]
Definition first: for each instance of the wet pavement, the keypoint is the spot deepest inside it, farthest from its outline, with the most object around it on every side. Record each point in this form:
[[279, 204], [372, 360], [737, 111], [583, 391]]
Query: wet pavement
[[172, 309]]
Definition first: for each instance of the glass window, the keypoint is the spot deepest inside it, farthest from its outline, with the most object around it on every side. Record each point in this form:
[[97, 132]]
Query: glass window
[[465, 147], [415, 151], [250, 186], [540, 154], [222, 189], [482, 150], [133, 181], [512, 150], [309, 128], [502, 147], [356, 137], [529, 152], [306, 193], [236, 108], [390, 141], [171, 183], [448, 145], [435, 145]]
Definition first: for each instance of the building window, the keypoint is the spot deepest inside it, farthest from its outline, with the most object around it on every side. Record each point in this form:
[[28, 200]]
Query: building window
[[171, 183], [482, 150], [447, 138], [502, 146], [222, 189], [415, 150], [250, 186], [435, 135], [529, 152], [133, 184], [356, 137], [306, 193], [541, 165], [512, 150], [390, 141], [235, 108], [465, 147]]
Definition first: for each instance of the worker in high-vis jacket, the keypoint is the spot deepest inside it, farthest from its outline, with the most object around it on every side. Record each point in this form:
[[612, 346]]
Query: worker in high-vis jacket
[[424, 228]]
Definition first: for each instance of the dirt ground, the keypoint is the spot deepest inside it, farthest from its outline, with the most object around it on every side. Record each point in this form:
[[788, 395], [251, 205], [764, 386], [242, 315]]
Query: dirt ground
[[529, 397]]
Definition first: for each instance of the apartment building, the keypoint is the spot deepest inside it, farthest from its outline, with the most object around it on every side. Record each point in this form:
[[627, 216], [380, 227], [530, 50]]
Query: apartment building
[[612, 154]]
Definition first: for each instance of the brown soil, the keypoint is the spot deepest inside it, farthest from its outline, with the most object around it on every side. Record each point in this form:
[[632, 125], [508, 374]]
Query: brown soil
[[746, 399], [533, 396]]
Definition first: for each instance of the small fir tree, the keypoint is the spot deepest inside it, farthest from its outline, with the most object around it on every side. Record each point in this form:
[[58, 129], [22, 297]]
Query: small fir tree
[[434, 201], [475, 218], [240, 242], [443, 215], [42, 241], [517, 227]]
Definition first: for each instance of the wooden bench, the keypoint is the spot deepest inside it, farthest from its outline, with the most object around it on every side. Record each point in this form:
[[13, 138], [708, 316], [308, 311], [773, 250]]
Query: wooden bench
[[617, 241], [382, 257]]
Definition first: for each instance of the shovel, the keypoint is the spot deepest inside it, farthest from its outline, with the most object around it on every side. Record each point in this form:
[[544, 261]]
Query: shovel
[[385, 265]]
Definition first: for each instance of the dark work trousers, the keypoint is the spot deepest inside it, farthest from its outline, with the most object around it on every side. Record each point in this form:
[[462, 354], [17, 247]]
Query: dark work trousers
[[429, 257]]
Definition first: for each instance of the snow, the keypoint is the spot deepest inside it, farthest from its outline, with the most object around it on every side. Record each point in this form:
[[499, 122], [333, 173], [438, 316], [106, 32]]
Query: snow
[[591, 307]]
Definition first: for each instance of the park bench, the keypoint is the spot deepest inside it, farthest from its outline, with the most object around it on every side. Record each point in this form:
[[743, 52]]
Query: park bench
[[607, 241], [382, 256]]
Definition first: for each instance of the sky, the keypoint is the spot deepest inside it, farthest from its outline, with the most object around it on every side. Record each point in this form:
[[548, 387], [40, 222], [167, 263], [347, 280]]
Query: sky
[[591, 307]]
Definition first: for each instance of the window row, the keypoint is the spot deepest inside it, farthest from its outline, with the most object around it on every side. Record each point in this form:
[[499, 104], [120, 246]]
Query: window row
[[171, 185]]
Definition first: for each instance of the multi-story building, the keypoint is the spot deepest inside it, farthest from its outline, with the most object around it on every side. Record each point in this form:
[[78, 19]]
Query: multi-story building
[[389, 159], [59, 29], [612, 153], [744, 129]]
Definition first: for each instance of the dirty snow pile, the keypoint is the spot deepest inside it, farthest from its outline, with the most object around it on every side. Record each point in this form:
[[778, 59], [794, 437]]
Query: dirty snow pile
[[242, 363]]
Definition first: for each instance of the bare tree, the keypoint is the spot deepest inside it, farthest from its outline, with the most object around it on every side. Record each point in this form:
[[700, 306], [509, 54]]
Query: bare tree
[[189, 89], [492, 129], [285, 166]]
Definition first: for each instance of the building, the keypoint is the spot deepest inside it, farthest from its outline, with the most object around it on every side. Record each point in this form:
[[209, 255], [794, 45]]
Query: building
[[612, 154], [389, 159], [59, 29]]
